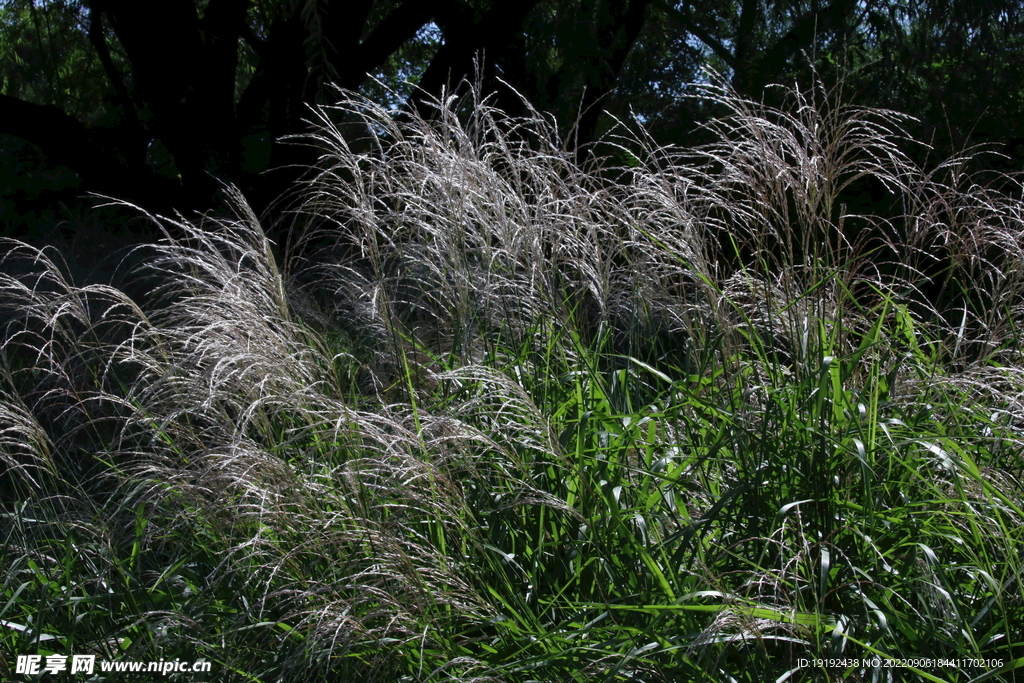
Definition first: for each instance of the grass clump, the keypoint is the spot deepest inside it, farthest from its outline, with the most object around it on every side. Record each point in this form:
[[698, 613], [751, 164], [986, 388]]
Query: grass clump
[[500, 418]]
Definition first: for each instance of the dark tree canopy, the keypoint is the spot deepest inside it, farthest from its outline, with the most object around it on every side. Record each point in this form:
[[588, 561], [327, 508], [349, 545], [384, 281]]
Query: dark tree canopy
[[154, 101]]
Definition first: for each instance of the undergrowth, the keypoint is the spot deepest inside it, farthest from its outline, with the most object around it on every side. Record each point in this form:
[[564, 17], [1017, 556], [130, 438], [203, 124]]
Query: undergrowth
[[495, 417]]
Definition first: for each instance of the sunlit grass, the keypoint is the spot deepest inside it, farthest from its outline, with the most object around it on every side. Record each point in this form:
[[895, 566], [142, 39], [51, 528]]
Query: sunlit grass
[[496, 418]]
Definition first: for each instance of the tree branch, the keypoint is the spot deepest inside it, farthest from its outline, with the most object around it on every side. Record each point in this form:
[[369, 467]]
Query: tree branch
[[464, 39], [399, 26], [616, 35], [690, 26], [67, 141], [99, 42], [801, 35], [342, 29]]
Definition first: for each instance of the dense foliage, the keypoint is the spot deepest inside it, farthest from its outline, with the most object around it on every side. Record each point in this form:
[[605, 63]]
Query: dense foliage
[[152, 101], [496, 417]]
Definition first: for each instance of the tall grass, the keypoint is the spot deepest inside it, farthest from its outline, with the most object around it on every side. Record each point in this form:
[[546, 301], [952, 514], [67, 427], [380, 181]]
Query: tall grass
[[495, 417]]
